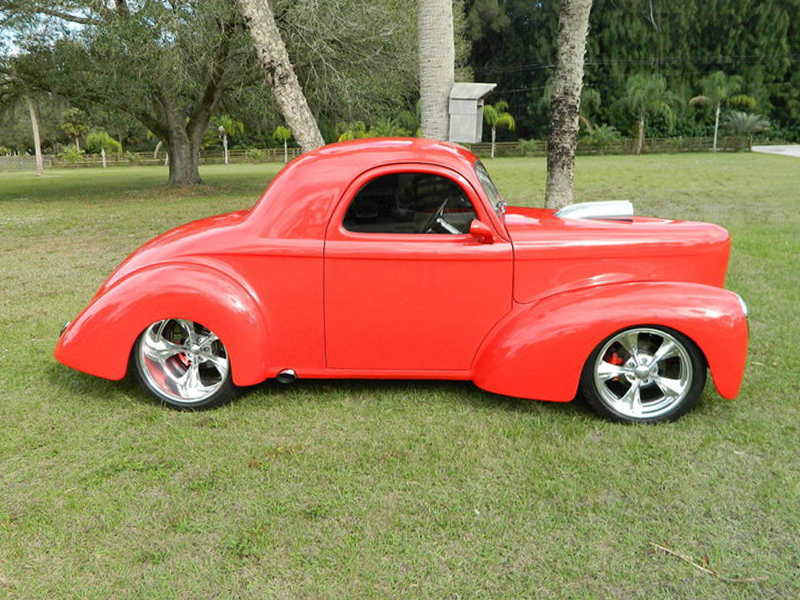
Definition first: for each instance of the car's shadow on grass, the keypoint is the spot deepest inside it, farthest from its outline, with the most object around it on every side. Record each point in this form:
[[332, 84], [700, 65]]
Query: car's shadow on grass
[[414, 392]]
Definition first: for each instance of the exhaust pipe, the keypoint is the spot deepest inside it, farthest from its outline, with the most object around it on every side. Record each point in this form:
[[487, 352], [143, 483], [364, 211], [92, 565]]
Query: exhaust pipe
[[287, 376]]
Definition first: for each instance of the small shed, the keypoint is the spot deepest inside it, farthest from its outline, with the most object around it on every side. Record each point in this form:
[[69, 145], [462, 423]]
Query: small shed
[[466, 111]]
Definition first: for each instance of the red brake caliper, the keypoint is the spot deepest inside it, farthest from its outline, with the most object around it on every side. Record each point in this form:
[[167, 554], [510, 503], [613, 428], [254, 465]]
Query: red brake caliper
[[615, 359]]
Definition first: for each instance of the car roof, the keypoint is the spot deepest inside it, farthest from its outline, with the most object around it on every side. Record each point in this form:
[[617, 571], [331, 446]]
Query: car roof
[[402, 149], [299, 201]]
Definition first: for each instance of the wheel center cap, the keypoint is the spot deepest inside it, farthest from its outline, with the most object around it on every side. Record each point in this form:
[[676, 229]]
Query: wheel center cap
[[642, 372], [194, 349]]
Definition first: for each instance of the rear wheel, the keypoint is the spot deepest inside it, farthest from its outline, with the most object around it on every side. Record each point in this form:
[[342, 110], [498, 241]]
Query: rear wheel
[[644, 375], [183, 364]]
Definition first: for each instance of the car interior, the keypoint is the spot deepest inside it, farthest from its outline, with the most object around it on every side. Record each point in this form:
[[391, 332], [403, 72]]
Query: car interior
[[410, 203]]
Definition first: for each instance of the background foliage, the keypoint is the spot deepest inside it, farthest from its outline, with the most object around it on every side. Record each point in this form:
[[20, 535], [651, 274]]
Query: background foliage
[[356, 60], [514, 44]]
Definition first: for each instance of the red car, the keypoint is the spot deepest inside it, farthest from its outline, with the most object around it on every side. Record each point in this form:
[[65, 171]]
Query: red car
[[397, 258]]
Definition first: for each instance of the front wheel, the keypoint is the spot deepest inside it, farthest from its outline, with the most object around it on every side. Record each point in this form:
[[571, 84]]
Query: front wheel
[[644, 375], [183, 365]]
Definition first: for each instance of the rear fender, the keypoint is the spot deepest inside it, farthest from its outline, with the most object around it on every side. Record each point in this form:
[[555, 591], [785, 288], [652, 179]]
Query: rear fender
[[540, 349], [100, 339]]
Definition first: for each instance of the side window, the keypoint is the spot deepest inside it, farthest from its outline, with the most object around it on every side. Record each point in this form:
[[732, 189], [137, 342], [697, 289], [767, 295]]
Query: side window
[[410, 203]]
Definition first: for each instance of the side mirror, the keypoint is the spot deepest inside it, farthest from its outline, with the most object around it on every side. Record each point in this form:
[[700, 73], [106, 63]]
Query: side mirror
[[481, 232]]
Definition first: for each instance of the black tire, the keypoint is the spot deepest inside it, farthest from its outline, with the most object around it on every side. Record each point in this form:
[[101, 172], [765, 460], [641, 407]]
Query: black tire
[[624, 379], [169, 380]]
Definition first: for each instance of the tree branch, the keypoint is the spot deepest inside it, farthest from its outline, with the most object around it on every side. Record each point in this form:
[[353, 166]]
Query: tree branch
[[705, 568], [151, 123], [65, 16], [212, 89], [58, 10]]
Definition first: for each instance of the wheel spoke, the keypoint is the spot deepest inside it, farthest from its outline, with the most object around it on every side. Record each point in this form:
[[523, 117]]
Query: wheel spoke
[[606, 371], [220, 364], [189, 383], [633, 398], [630, 341], [208, 339], [672, 388], [188, 327], [161, 326], [668, 349], [160, 349]]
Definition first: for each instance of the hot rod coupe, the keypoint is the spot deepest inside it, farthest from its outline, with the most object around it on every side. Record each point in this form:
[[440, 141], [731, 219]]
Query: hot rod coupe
[[398, 258]]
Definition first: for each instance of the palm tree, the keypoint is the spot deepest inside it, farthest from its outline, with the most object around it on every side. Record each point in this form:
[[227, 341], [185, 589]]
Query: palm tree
[[717, 87], [283, 134], [102, 142], [75, 123], [496, 115], [228, 126], [436, 65], [744, 124], [565, 101], [646, 95]]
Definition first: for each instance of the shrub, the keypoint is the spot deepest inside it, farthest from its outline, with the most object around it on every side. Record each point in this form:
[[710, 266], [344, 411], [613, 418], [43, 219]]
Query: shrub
[[602, 136], [256, 155], [530, 146], [72, 154]]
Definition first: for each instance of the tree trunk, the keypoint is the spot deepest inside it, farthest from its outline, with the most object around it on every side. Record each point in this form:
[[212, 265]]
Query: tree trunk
[[279, 70], [37, 141], [716, 126], [184, 158], [78, 143], [640, 134], [225, 147], [565, 103], [158, 147], [103, 156], [436, 66], [494, 136], [285, 152]]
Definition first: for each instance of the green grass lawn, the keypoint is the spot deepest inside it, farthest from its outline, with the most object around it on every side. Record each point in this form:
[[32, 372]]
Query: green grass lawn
[[361, 489]]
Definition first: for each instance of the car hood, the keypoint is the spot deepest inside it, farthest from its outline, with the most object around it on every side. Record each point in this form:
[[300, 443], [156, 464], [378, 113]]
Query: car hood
[[202, 236], [554, 255]]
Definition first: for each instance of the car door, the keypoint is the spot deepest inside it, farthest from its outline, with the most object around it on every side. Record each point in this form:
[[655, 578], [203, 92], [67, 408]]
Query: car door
[[401, 295]]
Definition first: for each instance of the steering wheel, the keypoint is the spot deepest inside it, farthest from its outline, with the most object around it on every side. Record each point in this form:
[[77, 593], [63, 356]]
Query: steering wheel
[[434, 217]]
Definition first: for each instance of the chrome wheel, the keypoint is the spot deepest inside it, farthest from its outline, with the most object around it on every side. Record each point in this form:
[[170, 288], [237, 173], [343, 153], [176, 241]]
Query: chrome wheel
[[182, 362], [643, 374]]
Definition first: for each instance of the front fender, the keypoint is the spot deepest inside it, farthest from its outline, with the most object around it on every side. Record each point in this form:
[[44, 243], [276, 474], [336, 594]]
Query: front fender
[[540, 349], [100, 339]]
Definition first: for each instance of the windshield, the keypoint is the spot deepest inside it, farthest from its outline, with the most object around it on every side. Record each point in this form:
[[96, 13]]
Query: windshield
[[490, 189]]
